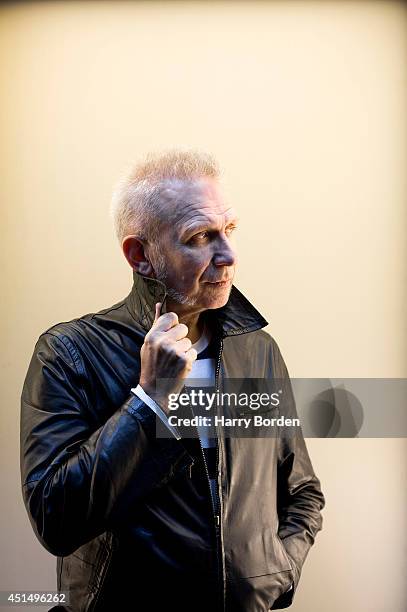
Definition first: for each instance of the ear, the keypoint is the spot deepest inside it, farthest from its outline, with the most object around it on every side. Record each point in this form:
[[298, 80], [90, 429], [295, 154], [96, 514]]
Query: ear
[[134, 251]]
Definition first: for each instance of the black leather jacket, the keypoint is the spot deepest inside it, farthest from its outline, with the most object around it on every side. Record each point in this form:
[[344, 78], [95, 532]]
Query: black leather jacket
[[129, 515]]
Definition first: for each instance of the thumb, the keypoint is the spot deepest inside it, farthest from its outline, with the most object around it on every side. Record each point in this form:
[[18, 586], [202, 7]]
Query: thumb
[[157, 311]]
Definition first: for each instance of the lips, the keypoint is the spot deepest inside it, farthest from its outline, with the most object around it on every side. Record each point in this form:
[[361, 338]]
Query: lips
[[220, 283]]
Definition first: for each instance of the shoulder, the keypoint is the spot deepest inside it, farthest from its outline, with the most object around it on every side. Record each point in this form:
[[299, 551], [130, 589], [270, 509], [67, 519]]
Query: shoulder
[[279, 367], [259, 344], [70, 336], [259, 339], [87, 322]]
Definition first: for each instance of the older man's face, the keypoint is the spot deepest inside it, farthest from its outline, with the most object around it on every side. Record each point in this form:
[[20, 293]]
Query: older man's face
[[197, 259]]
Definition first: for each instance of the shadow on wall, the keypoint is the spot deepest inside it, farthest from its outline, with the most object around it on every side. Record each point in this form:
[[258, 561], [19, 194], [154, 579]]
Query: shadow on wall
[[351, 408]]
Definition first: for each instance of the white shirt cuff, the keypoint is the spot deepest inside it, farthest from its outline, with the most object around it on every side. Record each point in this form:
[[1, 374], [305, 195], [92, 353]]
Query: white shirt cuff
[[139, 391]]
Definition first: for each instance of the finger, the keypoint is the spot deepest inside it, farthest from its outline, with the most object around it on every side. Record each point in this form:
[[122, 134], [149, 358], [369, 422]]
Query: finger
[[177, 332], [165, 321], [192, 354], [157, 311], [183, 345]]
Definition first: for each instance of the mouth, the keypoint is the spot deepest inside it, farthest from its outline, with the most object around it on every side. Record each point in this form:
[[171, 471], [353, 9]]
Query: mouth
[[224, 283]]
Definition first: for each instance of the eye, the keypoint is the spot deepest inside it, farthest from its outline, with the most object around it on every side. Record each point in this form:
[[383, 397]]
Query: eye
[[206, 235], [199, 237]]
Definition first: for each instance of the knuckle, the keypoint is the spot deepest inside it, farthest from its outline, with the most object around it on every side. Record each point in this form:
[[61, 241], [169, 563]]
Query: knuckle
[[149, 339], [183, 328], [173, 317], [165, 344], [183, 359]]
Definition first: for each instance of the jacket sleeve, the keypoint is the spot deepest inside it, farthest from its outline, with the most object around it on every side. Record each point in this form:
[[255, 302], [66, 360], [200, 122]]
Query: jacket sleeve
[[299, 496], [79, 480], [139, 391]]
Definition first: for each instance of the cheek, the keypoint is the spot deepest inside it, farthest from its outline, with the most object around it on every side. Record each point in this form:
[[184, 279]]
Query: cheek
[[191, 268], [199, 266]]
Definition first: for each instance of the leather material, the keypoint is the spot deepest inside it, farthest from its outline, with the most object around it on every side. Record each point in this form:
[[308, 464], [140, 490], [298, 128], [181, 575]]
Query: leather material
[[130, 515]]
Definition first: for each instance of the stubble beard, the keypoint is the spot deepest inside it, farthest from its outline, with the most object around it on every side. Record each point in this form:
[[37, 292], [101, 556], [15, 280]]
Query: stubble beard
[[161, 274]]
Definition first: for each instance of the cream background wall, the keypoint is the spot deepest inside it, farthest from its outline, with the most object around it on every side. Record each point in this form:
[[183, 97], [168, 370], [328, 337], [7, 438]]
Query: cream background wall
[[303, 103]]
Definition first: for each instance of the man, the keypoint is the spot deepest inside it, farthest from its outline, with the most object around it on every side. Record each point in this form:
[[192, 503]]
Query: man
[[138, 521]]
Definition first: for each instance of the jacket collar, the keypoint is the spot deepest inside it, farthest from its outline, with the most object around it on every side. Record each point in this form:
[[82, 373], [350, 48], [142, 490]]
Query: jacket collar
[[237, 316]]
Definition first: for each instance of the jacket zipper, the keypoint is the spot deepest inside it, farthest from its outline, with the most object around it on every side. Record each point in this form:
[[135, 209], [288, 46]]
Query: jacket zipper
[[216, 511]]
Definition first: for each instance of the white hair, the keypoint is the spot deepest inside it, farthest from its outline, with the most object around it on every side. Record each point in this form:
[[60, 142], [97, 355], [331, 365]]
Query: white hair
[[137, 200]]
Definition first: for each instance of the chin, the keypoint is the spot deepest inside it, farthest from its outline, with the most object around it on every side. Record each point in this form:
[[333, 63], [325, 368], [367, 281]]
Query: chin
[[218, 301]]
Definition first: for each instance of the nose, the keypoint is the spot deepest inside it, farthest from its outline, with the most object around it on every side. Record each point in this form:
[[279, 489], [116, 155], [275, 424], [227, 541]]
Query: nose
[[225, 254]]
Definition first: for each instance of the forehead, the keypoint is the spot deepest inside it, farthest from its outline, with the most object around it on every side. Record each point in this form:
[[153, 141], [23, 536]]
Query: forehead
[[186, 204]]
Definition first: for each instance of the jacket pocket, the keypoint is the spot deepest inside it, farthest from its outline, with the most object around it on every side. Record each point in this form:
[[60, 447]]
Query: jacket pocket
[[279, 546], [83, 572], [102, 564], [259, 554], [259, 571]]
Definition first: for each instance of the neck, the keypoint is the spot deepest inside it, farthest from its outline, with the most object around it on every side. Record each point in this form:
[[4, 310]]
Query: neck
[[195, 326]]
